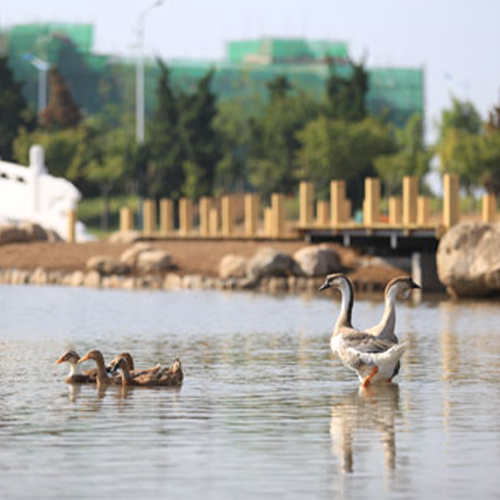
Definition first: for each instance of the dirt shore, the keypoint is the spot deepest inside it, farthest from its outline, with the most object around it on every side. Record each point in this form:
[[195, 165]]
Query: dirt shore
[[191, 257]]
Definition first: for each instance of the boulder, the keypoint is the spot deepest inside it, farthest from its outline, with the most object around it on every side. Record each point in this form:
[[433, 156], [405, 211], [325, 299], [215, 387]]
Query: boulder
[[468, 260], [13, 234], [232, 266], [35, 232], [125, 237], [153, 261], [172, 281], [317, 260], [106, 265], [131, 255], [270, 262]]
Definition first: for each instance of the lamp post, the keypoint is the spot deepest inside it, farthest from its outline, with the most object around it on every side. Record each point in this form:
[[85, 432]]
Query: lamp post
[[42, 67], [139, 80]]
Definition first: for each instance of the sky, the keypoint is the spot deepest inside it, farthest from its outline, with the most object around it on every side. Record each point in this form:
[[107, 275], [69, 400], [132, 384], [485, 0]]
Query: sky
[[457, 42]]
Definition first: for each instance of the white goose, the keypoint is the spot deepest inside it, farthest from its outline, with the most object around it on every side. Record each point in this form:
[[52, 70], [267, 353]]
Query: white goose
[[373, 359]]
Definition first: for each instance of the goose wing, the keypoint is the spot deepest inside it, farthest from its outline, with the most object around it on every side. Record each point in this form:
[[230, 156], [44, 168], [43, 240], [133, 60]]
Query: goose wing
[[366, 343]]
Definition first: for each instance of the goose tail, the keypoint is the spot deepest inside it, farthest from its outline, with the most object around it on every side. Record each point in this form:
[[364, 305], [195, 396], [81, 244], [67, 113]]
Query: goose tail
[[392, 355]]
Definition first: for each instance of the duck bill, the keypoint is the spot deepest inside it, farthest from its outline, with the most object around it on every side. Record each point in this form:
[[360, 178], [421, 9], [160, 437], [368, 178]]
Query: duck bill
[[85, 358], [59, 361]]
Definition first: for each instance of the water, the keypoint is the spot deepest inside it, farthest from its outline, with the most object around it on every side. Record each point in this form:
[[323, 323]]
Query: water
[[265, 409]]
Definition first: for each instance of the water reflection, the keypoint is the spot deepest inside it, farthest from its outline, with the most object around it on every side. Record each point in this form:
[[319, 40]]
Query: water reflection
[[363, 412]]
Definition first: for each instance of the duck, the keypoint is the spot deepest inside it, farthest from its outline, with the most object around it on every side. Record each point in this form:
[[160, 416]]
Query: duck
[[102, 378], [171, 377], [373, 359], [401, 286], [131, 365], [75, 377]]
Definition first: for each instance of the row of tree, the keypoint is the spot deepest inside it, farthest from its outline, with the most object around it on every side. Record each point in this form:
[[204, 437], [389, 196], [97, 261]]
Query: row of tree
[[197, 146]]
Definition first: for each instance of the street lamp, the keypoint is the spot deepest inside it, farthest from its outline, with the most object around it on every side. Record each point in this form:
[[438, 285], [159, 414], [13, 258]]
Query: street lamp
[[139, 80], [42, 67]]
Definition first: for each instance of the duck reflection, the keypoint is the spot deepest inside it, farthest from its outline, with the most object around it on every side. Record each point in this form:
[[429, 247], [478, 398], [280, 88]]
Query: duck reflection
[[373, 408]]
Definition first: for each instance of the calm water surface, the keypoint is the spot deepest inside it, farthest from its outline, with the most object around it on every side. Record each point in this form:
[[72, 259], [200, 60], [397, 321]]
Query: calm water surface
[[265, 408]]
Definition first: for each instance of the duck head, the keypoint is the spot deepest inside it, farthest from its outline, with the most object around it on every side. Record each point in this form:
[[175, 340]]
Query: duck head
[[113, 366], [70, 357], [94, 354]]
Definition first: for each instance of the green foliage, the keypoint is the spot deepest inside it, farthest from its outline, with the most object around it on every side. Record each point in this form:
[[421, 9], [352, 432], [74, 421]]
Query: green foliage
[[346, 95], [62, 111], [410, 158], [461, 116], [14, 111], [274, 142], [336, 149]]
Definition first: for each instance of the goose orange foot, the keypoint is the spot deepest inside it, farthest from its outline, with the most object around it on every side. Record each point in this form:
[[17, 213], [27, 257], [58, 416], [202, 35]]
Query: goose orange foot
[[368, 379]]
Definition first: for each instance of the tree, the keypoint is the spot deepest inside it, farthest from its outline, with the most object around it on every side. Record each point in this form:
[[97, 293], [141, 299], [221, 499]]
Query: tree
[[62, 111], [14, 111], [411, 157], [491, 152], [336, 149], [200, 141], [160, 161], [346, 95], [461, 116], [273, 141]]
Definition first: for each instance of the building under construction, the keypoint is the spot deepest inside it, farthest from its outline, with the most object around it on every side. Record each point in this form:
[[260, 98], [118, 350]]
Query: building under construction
[[105, 80]]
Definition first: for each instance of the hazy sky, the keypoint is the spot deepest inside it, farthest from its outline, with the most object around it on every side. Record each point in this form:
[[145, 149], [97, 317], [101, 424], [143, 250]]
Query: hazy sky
[[456, 41]]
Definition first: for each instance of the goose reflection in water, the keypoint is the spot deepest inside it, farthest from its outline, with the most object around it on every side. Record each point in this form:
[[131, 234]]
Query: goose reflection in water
[[371, 409]]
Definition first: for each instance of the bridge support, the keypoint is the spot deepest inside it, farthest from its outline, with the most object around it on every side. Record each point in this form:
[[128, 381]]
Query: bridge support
[[424, 271]]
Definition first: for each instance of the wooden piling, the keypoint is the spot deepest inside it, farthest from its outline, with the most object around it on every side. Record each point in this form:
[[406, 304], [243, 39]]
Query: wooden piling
[[227, 210], [395, 215], [71, 226], [488, 207], [323, 213], [185, 216], [166, 216], [126, 219], [451, 200], [268, 221], [278, 214], [251, 214], [410, 195], [213, 222], [372, 201], [205, 205], [306, 202], [337, 197], [149, 217], [423, 210]]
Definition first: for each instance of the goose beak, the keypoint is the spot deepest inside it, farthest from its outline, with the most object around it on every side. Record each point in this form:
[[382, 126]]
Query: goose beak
[[324, 286], [414, 285], [85, 358]]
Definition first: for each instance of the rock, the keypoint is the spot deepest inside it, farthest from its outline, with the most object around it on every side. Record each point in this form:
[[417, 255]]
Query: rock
[[125, 237], [233, 266], [13, 234], [76, 278], [468, 260], [131, 255], [106, 265], [270, 262], [317, 260], [193, 281], [172, 281], [39, 277], [154, 261], [52, 236], [277, 285], [35, 232], [92, 279]]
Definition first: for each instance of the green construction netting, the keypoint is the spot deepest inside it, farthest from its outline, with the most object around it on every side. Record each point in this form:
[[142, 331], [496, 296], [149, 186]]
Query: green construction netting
[[98, 80]]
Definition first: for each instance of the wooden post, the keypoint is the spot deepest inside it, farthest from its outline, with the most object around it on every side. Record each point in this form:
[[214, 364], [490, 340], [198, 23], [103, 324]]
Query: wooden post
[[372, 201], [306, 199], [337, 197], [71, 226], [410, 194], [227, 215], [451, 200], [213, 222], [205, 205], [268, 221], [185, 216], [126, 219], [251, 214], [166, 216], [278, 214], [423, 210], [149, 217], [395, 218], [489, 207], [323, 215]]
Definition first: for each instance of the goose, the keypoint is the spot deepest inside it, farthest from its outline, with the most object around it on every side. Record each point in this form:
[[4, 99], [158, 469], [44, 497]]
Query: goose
[[102, 378], [171, 377], [131, 365], [399, 286], [75, 377], [373, 359]]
